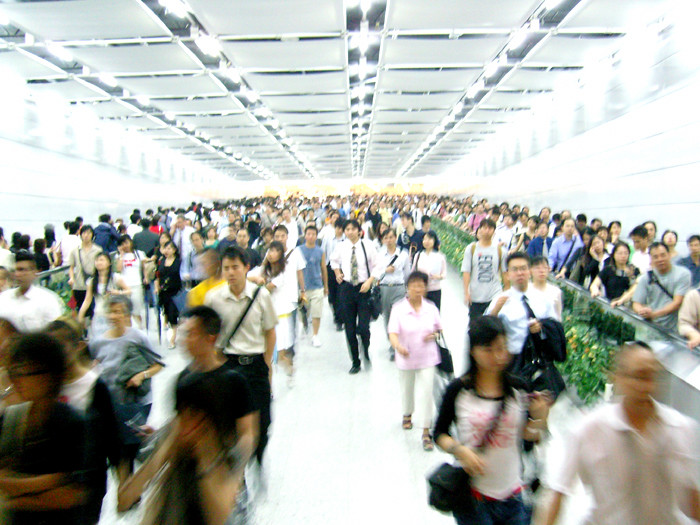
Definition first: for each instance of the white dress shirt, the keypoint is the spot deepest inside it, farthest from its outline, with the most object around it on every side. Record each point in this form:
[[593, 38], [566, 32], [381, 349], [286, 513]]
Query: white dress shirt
[[343, 253], [329, 244], [30, 311], [402, 266], [515, 316]]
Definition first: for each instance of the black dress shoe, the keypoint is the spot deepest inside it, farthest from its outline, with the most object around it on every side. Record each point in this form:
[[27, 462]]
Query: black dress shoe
[[355, 369], [339, 327]]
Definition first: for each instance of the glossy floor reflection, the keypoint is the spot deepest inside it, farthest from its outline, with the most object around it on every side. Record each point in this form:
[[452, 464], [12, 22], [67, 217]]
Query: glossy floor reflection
[[338, 454]]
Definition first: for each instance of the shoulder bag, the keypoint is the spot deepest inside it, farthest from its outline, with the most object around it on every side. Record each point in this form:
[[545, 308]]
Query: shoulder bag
[[449, 486], [446, 365], [375, 294], [240, 320]]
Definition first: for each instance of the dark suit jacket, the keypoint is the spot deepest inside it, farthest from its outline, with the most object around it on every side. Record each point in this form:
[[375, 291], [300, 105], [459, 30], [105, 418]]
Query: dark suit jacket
[[534, 249]]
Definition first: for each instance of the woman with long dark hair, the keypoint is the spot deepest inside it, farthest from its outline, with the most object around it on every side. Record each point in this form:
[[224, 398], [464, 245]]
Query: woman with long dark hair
[[271, 275], [488, 400], [618, 278], [432, 262], [102, 284], [167, 286]]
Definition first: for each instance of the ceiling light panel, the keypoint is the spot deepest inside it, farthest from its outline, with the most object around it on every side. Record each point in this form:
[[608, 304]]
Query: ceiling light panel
[[26, 66], [306, 102], [294, 55], [425, 52], [423, 80], [70, 90], [573, 50], [614, 15], [298, 83], [535, 79], [224, 104], [173, 86], [394, 117], [215, 121], [325, 117], [424, 101], [137, 59], [277, 17], [86, 19], [109, 109], [452, 15]]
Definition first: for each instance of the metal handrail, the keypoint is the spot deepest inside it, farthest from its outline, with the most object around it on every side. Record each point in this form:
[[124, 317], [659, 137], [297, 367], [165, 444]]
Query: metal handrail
[[620, 311], [52, 271]]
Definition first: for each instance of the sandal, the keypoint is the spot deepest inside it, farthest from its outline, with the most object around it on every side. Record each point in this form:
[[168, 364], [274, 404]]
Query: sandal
[[427, 443], [407, 425]]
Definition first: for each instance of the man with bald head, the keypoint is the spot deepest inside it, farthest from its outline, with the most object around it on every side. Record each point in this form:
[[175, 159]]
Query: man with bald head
[[637, 456]]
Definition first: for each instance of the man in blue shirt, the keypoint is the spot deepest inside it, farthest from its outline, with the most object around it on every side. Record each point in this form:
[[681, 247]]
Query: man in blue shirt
[[315, 278], [692, 262], [564, 246]]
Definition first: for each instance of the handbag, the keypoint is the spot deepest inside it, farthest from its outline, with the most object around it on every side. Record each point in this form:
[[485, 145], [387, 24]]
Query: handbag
[[180, 299], [446, 365], [449, 485], [375, 294]]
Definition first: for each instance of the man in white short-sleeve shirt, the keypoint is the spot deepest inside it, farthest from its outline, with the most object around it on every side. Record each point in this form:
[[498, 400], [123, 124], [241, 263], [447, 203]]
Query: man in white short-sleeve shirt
[[28, 307], [638, 457]]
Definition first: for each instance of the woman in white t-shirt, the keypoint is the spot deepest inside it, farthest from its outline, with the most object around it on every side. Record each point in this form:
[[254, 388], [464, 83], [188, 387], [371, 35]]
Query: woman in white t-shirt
[[129, 264], [271, 274], [493, 414], [431, 262], [101, 285]]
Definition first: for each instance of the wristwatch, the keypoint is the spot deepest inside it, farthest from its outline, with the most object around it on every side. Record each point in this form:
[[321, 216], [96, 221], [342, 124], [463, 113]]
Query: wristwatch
[[145, 374]]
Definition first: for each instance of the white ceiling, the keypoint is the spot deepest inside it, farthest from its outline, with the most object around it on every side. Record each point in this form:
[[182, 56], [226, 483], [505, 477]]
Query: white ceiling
[[284, 87]]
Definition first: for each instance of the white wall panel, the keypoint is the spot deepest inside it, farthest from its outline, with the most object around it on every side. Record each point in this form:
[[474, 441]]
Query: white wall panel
[[643, 165], [41, 186]]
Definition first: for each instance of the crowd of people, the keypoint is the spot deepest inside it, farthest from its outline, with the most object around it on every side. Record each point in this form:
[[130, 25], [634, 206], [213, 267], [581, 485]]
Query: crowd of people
[[236, 284]]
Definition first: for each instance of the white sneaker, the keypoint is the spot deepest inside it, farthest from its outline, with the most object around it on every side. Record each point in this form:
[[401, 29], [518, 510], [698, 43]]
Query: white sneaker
[[315, 341]]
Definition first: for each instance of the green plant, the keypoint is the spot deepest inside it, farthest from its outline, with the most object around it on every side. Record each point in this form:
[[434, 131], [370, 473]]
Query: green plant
[[591, 332]]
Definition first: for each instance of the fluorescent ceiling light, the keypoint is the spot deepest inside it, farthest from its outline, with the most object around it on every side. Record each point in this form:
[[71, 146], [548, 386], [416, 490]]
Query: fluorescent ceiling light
[[208, 44], [175, 7], [251, 95], [362, 69], [491, 69], [4, 19], [365, 5], [233, 74], [551, 4], [143, 100], [59, 52], [518, 39], [107, 79]]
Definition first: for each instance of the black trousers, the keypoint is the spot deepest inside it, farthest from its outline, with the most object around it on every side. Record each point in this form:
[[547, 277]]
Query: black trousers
[[477, 310], [356, 316], [256, 373], [435, 297], [333, 296]]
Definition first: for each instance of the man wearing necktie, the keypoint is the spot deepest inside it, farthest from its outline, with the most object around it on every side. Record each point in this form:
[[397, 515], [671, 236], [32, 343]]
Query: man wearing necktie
[[521, 305], [352, 262]]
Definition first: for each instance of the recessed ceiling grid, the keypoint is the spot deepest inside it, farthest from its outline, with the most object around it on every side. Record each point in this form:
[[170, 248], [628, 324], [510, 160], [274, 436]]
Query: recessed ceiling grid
[[332, 88]]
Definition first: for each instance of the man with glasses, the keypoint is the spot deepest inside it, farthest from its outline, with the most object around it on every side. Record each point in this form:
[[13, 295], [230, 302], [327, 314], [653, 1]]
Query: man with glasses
[[521, 305], [636, 455]]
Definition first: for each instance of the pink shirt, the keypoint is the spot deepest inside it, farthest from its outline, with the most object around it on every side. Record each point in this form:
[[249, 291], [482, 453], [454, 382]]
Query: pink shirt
[[475, 220], [412, 327]]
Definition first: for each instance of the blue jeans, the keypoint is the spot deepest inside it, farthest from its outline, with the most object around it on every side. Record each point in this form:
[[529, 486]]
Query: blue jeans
[[509, 511]]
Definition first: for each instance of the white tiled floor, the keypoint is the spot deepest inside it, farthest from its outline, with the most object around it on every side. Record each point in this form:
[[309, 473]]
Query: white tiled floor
[[337, 452]]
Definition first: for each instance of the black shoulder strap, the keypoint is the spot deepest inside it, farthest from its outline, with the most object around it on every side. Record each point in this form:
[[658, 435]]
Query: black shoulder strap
[[241, 319], [573, 243], [654, 280], [369, 270]]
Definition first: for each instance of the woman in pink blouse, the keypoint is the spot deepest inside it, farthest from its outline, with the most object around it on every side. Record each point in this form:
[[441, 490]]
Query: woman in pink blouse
[[413, 327]]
